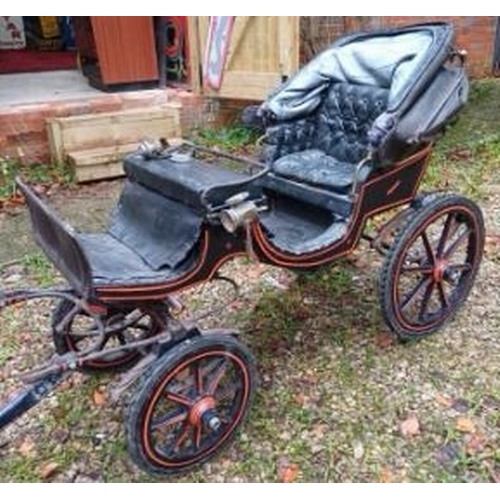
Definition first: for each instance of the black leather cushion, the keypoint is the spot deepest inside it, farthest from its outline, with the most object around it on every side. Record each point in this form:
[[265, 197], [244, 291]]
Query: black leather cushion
[[317, 168], [289, 137], [324, 149], [112, 262]]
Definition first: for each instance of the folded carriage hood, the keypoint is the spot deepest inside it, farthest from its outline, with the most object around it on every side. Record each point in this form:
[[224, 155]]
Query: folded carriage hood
[[402, 60]]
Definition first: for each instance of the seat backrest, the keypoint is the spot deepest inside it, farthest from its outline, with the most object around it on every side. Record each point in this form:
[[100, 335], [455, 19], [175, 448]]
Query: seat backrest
[[344, 118]]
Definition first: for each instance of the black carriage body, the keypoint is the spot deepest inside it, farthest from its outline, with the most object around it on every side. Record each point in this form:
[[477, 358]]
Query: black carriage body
[[156, 246], [346, 138]]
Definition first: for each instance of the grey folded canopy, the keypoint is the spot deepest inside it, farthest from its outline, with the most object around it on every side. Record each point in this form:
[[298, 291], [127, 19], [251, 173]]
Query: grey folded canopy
[[412, 63]]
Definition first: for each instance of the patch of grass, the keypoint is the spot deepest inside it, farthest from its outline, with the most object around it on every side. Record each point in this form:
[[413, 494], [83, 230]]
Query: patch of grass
[[39, 268], [38, 173], [7, 351], [228, 138], [466, 158], [331, 280], [20, 469]]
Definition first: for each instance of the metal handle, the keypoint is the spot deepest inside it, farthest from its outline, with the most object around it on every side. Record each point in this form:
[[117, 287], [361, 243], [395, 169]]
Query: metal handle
[[357, 172]]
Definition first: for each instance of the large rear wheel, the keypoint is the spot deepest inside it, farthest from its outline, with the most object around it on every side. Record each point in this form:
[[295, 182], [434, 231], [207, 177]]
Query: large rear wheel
[[431, 265]]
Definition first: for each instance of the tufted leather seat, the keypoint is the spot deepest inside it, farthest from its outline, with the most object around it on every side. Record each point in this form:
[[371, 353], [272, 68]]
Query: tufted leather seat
[[324, 148], [317, 168]]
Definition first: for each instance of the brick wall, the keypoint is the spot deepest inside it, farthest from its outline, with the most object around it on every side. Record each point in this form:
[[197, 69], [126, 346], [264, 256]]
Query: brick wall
[[474, 34], [23, 128]]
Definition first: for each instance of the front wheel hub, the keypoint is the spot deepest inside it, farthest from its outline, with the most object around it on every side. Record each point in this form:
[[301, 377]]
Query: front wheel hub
[[201, 410]]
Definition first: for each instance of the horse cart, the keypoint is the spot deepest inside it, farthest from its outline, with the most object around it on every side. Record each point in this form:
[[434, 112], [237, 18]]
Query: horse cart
[[349, 136]]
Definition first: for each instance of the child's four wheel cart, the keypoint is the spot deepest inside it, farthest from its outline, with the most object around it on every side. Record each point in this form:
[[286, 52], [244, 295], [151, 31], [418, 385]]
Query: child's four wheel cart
[[346, 138]]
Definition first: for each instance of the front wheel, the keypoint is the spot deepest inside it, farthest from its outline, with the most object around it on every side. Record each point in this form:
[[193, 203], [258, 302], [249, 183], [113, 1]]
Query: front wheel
[[190, 404], [431, 265], [73, 330]]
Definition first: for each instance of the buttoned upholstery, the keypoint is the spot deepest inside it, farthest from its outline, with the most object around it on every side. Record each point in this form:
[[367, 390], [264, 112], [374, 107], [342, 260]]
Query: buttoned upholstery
[[324, 148]]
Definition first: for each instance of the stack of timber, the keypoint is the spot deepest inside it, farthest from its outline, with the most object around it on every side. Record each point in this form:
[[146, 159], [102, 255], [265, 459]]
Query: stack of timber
[[96, 144]]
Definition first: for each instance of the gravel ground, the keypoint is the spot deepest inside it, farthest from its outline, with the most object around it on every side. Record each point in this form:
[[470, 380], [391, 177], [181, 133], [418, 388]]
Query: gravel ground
[[339, 399]]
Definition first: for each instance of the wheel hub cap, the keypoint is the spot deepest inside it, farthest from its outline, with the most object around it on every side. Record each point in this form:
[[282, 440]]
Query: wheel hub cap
[[439, 270], [202, 407]]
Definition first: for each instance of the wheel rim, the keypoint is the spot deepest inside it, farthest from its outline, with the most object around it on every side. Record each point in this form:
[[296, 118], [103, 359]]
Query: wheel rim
[[436, 269], [195, 408], [84, 329]]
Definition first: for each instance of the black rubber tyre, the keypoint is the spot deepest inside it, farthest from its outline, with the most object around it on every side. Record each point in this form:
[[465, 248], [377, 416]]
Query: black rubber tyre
[[190, 404], [432, 265], [152, 324]]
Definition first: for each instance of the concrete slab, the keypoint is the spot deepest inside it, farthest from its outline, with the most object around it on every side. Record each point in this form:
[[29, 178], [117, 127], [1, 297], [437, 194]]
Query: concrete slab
[[30, 88]]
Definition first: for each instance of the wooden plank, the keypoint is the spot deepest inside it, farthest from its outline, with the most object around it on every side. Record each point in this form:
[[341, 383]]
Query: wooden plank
[[99, 172], [99, 163], [239, 29], [257, 49], [263, 49], [78, 133], [195, 68], [288, 42], [247, 85], [55, 142], [127, 115], [101, 155]]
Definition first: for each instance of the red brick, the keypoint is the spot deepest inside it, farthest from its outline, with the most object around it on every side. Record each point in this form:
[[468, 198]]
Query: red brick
[[189, 99], [144, 98], [473, 33], [72, 108], [23, 132], [106, 103]]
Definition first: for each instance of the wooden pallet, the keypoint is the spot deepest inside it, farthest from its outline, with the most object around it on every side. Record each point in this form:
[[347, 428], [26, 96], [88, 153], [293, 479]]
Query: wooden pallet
[[96, 144]]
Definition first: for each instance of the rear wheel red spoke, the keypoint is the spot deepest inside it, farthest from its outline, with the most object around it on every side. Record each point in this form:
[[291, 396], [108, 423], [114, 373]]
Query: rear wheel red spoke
[[424, 306], [442, 295], [447, 229], [416, 270], [428, 248]]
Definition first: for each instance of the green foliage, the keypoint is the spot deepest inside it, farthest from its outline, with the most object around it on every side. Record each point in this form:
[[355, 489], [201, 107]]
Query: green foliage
[[40, 268], [228, 138], [466, 158], [38, 173]]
